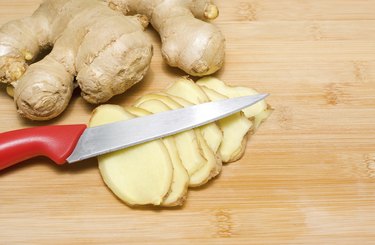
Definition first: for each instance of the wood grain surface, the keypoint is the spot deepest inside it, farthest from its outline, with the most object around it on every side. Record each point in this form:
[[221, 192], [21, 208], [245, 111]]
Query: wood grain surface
[[308, 175]]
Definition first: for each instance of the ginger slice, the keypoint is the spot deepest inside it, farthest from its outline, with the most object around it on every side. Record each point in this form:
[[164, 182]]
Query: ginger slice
[[180, 181], [188, 90], [235, 131], [138, 175], [186, 93], [258, 112], [211, 132], [208, 135], [194, 152], [186, 142], [235, 128], [213, 164]]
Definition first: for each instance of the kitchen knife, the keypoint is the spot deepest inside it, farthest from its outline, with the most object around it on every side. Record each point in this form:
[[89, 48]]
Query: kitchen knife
[[72, 143]]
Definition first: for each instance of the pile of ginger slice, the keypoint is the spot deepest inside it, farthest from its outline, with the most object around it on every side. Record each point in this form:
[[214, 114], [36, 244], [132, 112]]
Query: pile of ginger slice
[[161, 171]]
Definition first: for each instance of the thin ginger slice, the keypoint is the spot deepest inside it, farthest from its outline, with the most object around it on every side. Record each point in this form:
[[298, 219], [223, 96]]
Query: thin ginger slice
[[235, 131], [213, 164], [188, 90], [186, 93], [186, 142], [257, 112], [209, 137], [211, 132], [235, 128], [180, 181], [138, 175], [207, 165]]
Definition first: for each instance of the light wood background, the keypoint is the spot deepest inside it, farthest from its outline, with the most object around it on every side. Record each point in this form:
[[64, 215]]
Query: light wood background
[[308, 175]]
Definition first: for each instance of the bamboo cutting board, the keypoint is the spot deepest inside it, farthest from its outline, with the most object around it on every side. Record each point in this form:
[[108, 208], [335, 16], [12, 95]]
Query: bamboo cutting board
[[308, 175]]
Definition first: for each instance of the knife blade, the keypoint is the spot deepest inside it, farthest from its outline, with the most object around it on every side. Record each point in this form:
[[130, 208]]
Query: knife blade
[[73, 143]]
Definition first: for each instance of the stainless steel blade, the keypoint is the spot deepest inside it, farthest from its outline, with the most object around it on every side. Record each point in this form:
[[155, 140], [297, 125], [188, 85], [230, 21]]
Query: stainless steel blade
[[119, 135]]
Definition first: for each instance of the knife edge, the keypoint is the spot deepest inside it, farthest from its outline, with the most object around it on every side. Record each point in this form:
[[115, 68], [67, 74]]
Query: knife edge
[[104, 139]]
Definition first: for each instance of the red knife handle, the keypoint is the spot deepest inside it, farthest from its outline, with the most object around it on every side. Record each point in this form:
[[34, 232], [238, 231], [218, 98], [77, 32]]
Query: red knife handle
[[54, 142]]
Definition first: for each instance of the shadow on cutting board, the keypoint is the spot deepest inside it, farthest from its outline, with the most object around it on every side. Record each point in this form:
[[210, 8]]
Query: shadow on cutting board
[[78, 167]]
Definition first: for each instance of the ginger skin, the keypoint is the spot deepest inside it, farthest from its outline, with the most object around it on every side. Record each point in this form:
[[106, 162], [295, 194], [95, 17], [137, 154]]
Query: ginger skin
[[103, 50], [106, 52], [193, 45]]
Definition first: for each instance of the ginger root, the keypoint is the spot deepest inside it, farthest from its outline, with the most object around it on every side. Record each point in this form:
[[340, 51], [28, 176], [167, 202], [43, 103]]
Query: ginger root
[[188, 42], [106, 52]]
